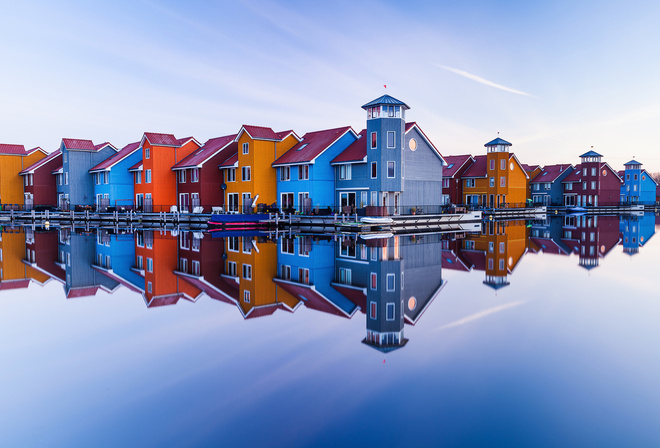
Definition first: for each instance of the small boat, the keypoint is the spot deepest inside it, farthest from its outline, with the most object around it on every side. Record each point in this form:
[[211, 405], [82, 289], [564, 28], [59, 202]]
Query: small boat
[[375, 236], [374, 220], [238, 219], [574, 210]]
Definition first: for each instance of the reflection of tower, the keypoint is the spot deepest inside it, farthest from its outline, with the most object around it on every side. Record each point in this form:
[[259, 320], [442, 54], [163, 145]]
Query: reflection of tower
[[589, 238], [385, 312], [630, 232], [496, 265]]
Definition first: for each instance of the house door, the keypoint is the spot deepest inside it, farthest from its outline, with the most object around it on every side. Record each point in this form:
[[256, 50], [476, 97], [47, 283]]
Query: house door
[[304, 204], [232, 202], [247, 202], [139, 201], [286, 199], [396, 203], [183, 202]]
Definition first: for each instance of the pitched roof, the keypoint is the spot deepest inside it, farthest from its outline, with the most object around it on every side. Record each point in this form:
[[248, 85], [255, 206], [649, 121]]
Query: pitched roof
[[58, 170], [315, 300], [355, 152], [454, 163], [40, 163], [137, 167], [183, 141], [498, 141], [231, 161], [18, 150], [312, 145], [155, 138], [117, 157], [591, 154], [575, 176], [385, 100], [550, 173], [211, 148], [103, 145], [258, 133], [284, 134], [478, 168], [73, 143], [633, 162], [414, 125], [38, 148]]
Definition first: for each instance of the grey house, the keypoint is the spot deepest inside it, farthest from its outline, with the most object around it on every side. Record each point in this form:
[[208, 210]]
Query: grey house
[[74, 184]]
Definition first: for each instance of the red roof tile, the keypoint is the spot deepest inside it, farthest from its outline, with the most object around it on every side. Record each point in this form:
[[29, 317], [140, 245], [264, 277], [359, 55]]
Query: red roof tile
[[575, 176], [231, 161], [477, 258], [116, 158], [183, 141], [210, 149], [33, 150], [18, 150], [478, 168], [356, 151], [454, 163], [72, 143], [15, 284], [357, 296], [311, 146], [262, 311], [530, 167], [550, 173], [40, 163], [259, 133], [157, 139], [85, 291]]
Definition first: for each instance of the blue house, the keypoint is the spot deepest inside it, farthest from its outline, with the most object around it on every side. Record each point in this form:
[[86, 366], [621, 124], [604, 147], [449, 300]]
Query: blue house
[[547, 187], [636, 231], [113, 183], [305, 178], [392, 168], [74, 184], [638, 186]]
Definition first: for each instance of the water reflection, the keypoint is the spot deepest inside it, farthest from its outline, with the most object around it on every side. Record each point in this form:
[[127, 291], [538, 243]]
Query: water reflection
[[391, 280]]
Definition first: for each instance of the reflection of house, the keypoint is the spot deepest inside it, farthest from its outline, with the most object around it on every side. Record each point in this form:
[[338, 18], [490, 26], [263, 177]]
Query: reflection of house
[[597, 236], [42, 254], [636, 231], [638, 185], [39, 183], [547, 187], [113, 183], [114, 259], [305, 178], [15, 273]]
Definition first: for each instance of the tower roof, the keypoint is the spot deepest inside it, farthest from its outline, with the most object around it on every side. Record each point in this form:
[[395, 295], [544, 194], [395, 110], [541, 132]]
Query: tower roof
[[632, 162], [591, 153], [386, 100], [498, 141]]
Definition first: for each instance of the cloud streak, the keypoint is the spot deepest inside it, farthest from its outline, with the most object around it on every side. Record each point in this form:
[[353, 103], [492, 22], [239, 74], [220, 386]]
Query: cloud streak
[[484, 81], [480, 315]]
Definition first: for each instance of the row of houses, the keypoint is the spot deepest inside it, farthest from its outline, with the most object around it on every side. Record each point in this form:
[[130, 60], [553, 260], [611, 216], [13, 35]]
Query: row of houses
[[390, 167]]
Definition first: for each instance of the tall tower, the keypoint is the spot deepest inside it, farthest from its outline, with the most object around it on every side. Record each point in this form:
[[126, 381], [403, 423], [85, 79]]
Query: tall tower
[[497, 157], [386, 127], [590, 165]]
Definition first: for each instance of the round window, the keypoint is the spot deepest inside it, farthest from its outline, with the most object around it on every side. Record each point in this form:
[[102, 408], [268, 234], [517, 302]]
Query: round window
[[604, 172], [412, 303], [511, 166], [510, 261], [643, 177], [602, 249], [412, 144]]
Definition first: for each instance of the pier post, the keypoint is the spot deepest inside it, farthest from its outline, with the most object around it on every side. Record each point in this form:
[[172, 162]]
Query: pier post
[[34, 215]]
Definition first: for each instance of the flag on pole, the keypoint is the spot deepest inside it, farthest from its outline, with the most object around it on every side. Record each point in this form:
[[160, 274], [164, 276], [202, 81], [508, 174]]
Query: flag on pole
[[385, 85]]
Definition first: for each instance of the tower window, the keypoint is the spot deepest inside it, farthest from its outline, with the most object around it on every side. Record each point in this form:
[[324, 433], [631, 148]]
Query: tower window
[[390, 169], [374, 140], [390, 139], [492, 164], [374, 170]]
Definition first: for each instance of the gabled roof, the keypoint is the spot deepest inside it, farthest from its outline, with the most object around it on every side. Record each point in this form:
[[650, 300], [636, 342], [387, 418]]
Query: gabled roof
[[116, 158], [315, 300], [157, 139], [59, 170], [355, 152], [230, 162], [211, 148], [312, 145], [575, 176], [591, 154], [183, 141], [284, 134], [550, 173], [529, 168], [455, 163], [258, 133], [31, 169], [606, 165], [18, 150], [478, 168], [413, 125], [498, 141], [385, 100], [513, 156], [137, 167], [79, 144], [37, 149], [103, 145]]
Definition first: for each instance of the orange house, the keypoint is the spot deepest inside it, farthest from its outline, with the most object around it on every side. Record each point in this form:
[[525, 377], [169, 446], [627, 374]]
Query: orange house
[[13, 159], [496, 179], [248, 176], [153, 179]]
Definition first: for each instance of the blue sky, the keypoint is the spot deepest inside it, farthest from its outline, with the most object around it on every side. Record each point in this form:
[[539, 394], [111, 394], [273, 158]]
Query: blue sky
[[554, 78]]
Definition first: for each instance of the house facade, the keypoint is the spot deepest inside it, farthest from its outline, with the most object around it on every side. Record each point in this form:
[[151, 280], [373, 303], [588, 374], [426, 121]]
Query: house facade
[[547, 186], [452, 175], [39, 183], [601, 185], [638, 186], [13, 160], [113, 182]]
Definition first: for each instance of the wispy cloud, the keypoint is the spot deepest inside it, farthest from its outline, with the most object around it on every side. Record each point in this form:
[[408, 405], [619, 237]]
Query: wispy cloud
[[484, 81], [481, 314]]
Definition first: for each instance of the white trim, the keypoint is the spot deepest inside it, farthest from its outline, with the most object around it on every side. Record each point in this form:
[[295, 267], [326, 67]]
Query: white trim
[[351, 188]]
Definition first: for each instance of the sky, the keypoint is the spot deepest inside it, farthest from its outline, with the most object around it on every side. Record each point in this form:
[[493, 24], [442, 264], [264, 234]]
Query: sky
[[553, 78]]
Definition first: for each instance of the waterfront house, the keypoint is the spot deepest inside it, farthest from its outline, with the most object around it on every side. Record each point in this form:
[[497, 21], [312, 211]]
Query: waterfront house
[[305, 178], [39, 184], [113, 183], [572, 184], [249, 176], [601, 185], [75, 187], [638, 186], [547, 185], [392, 168], [199, 183], [636, 231], [452, 175], [13, 160], [154, 182], [115, 253]]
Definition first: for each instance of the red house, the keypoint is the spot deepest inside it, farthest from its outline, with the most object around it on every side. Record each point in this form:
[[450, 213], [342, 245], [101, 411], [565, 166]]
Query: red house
[[601, 185], [199, 181], [452, 186], [39, 184]]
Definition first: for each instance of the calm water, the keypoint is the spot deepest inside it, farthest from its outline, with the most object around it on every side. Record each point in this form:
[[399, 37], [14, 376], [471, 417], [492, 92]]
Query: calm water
[[529, 334]]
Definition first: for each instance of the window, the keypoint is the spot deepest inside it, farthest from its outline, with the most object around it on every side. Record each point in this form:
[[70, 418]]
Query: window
[[246, 174], [492, 181], [139, 239], [502, 181], [64, 158], [196, 269], [66, 178], [391, 280], [147, 152], [374, 170], [97, 178], [445, 183], [627, 176], [502, 247], [147, 177], [231, 269], [150, 264], [470, 183], [502, 164], [593, 184], [287, 246], [138, 177], [286, 272], [390, 139], [492, 164], [373, 281], [501, 263], [182, 176], [374, 140], [584, 171], [547, 185], [106, 177], [247, 272], [345, 172], [372, 310], [184, 242], [194, 175], [232, 244], [390, 169], [303, 172], [389, 311], [345, 276], [285, 173], [303, 275], [247, 245], [584, 185], [246, 296], [183, 265], [231, 175], [150, 287], [593, 171], [634, 177], [246, 148]]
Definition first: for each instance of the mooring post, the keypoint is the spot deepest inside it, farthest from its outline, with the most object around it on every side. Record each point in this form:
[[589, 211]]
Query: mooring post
[[34, 215]]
